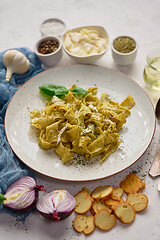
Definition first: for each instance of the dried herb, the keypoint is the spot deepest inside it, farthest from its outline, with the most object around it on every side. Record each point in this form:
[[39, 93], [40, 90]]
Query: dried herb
[[124, 44]]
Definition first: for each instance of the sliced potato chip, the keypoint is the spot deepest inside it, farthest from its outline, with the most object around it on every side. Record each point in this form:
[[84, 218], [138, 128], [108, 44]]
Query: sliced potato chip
[[113, 203], [104, 220], [125, 212], [132, 184], [102, 192], [99, 204], [87, 190], [139, 201], [83, 202], [117, 193], [84, 223]]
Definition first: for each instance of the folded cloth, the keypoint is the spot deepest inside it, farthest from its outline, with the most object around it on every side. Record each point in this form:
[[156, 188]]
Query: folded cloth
[[11, 168]]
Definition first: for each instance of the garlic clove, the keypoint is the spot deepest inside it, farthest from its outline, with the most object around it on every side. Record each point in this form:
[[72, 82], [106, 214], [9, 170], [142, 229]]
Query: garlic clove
[[15, 62]]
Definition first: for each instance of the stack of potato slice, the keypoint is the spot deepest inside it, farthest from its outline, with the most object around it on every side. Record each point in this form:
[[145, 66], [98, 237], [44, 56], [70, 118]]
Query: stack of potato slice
[[101, 207]]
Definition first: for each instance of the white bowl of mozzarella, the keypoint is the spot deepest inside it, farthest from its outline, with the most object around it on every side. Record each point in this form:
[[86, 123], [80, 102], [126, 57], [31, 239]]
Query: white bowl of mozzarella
[[86, 44]]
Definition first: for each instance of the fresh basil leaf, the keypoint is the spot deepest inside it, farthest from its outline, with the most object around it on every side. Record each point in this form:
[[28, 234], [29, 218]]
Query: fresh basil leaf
[[2, 198], [79, 92], [50, 90], [61, 92], [45, 95], [53, 90]]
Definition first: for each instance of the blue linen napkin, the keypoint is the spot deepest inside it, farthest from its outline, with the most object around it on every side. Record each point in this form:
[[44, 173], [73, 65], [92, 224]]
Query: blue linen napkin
[[11, 168]]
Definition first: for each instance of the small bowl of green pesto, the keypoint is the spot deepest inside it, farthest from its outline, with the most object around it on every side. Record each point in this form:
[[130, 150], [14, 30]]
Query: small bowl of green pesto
[[124, 50]]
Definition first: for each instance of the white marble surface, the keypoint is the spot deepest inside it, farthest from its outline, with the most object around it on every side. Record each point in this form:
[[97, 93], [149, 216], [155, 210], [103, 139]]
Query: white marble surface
[[19, 24]]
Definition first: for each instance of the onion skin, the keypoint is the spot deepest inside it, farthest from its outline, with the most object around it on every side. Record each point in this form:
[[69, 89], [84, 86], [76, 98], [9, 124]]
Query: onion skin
[[22, 195], [56, 205], [57, 216]]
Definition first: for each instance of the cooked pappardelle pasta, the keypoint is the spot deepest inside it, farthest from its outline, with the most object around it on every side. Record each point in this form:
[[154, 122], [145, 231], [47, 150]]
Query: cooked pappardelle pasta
[[88, 127]]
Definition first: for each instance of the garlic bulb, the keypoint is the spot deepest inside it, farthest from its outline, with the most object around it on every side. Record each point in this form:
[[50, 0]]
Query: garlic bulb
[[15, 62]]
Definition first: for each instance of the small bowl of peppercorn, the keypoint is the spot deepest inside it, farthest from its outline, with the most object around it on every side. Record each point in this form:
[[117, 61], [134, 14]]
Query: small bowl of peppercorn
[[49, 50], [124, 50]]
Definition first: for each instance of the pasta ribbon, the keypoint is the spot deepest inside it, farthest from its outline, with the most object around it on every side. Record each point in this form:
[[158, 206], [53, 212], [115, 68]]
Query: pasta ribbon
[[88, 127]]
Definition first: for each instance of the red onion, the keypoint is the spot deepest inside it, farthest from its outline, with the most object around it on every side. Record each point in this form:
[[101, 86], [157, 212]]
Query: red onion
[[22, 194], [56, 205]]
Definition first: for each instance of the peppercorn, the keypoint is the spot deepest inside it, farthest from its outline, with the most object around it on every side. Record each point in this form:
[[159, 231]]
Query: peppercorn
[[48, 46]]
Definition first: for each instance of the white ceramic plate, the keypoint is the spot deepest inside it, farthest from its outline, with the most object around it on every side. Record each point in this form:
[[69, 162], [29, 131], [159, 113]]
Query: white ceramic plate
[[136, 134]]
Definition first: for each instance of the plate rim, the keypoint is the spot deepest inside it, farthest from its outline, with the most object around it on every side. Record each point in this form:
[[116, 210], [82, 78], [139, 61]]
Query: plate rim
[[81, 180]]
